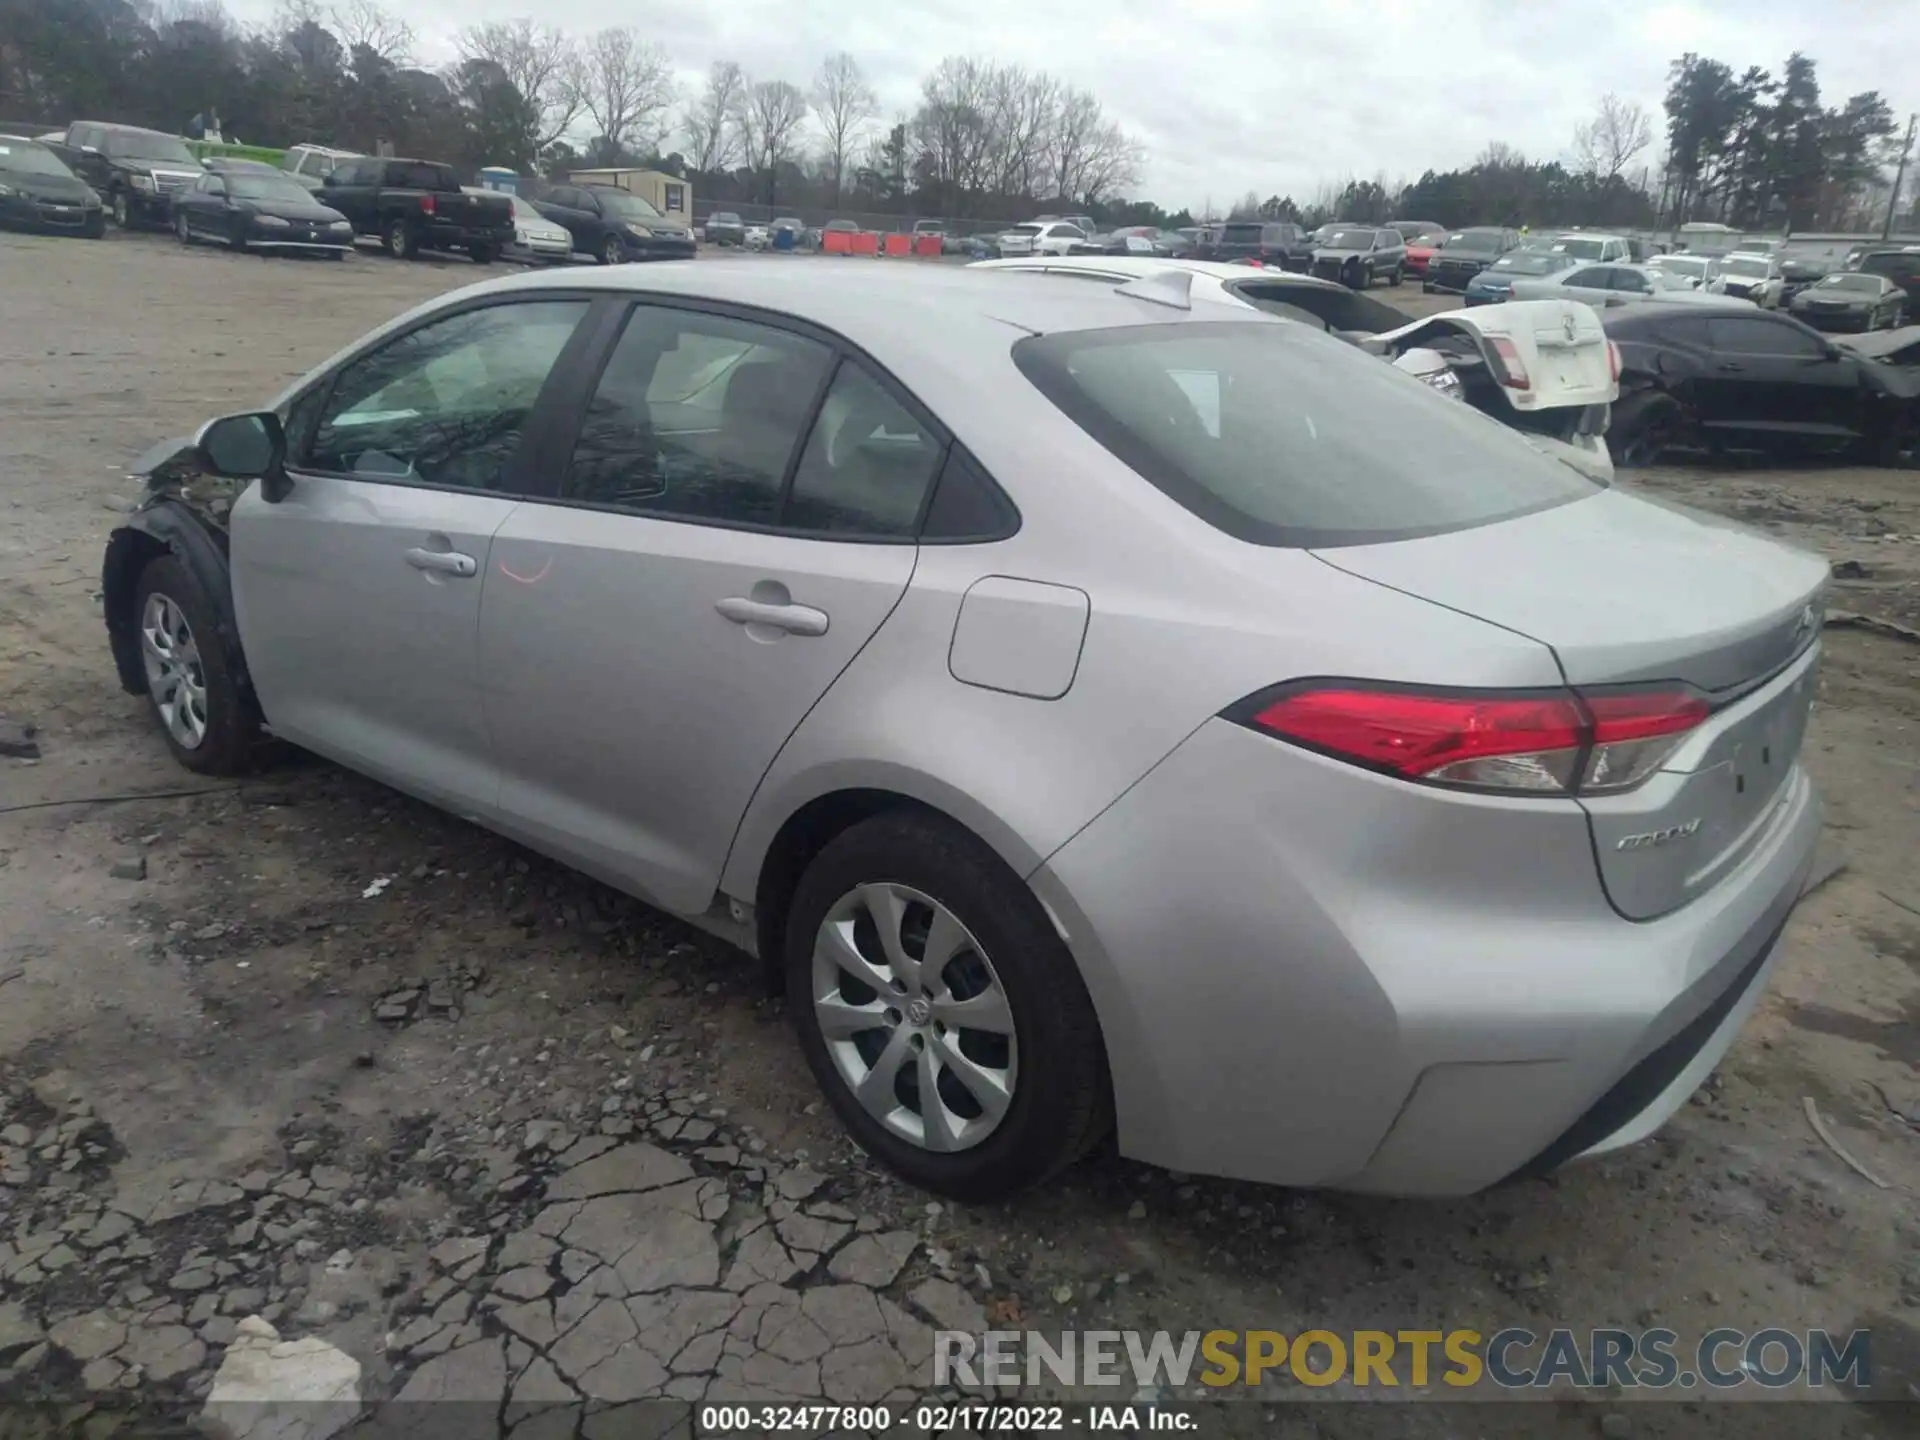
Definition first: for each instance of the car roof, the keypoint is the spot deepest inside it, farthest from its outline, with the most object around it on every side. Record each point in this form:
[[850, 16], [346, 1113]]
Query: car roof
[[1139, 266]]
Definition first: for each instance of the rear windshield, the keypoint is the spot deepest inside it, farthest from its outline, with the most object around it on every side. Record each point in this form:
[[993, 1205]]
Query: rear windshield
[[1279, 435], [420, 175], [1580, 248], [1240, 233]]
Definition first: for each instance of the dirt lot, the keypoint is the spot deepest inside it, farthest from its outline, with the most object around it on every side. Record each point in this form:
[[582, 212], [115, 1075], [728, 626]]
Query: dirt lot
[[239, 1074]]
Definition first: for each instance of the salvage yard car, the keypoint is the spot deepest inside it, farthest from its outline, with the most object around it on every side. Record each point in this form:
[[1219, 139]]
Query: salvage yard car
[[1467, 253], [778, 606], [536, 239], [415, 205], [1851, 300], [1698, 271], [614, 225], [1749, 276], [1620, 284], [1495, 283], [1050, 237], [1272, 242], [136, 172], [1752, 380], [38, 192], [1357, 256], [260, 209]]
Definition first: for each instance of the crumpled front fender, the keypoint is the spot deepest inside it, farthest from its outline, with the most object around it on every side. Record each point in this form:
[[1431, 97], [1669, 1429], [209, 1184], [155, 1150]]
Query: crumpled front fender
[[166, 524]]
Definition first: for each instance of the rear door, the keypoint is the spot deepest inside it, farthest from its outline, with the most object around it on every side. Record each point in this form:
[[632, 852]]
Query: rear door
[[359, 594], [735, 517]]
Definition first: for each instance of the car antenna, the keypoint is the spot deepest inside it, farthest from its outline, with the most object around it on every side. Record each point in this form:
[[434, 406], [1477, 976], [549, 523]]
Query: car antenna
[[1163, 287]]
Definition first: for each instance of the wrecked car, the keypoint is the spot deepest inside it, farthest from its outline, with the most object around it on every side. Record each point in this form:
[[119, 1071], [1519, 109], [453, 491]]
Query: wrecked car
[[1890, 347], [1107, 711], [1543, 368], [1753, 381], [1356, 256]]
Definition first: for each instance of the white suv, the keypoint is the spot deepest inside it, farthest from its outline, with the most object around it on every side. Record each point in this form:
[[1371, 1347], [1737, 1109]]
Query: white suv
[[311, 164], [1593, 248], [1051, 237]]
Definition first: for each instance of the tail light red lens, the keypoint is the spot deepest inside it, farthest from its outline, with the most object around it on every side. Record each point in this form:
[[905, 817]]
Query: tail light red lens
[[1516, 377], [1544, 742], [1613, 360], [426, 204]]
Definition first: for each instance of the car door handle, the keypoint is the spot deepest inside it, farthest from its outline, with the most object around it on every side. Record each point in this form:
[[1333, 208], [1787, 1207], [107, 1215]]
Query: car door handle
[[1730, 365], [794, 619], [446, 562]]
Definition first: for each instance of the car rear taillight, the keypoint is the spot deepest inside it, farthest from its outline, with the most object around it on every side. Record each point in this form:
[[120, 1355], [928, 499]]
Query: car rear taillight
[[1551, 742], [1613, 360], [1514, 370], [426, 204]]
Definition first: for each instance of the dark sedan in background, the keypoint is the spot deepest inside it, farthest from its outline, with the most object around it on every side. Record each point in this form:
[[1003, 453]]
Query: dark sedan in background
[[38, 192], [1851, 301], [259, 210], [613, 225]]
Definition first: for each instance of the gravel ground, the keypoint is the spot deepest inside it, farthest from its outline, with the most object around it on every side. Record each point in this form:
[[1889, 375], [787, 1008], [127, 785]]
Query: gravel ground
[[500, 1134]]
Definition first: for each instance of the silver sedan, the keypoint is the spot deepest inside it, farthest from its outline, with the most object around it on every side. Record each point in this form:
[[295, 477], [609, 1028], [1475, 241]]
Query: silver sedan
[[1100, 708], [1617, 283]]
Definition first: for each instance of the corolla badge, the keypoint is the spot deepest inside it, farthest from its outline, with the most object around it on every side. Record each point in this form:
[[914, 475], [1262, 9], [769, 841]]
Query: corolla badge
[[1647, 839]]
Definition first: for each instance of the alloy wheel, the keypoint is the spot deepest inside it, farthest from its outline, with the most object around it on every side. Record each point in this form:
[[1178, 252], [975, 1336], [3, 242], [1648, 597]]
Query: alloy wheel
[[915, 1018], [180, 227], [121, 215], [175, 676]]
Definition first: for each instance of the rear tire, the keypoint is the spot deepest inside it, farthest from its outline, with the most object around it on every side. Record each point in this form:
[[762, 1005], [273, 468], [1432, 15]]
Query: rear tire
[[613, 252], [208, 723], [1643, 427], [483, 254], [1060, 1103], [180, 227], [122, 209], [399, 240]]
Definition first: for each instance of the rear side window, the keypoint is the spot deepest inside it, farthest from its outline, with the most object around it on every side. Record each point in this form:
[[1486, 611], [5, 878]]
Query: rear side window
[[1281, 436], [868, 463], [1750, 335], [405, 175]]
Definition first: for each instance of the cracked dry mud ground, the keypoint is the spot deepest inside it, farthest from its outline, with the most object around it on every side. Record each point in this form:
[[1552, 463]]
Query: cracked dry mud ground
[[503, 1135]]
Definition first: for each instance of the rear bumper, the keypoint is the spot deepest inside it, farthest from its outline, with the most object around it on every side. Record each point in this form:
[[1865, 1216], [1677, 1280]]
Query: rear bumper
[[437, 235], [660, 247], [1307, 974]]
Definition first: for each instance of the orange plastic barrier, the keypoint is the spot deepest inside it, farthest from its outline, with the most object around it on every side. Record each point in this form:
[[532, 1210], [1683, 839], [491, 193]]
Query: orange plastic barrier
[[836, 242], [899, 244], [865, 242], [927, 245]]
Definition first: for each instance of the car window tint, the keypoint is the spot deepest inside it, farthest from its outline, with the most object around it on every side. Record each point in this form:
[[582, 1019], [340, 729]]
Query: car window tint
[[1280, 436], [1593, 278], [1749, 335], [967, 505], [445, 404], [867, 464], [697, 415], [1630, 280]]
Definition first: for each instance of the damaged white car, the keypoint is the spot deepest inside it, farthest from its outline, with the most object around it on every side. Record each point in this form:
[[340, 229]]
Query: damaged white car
[[1542, 367]]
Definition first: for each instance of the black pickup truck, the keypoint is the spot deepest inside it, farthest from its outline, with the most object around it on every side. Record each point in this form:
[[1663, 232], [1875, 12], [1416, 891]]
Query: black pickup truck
[[415, 205], [136, 172]]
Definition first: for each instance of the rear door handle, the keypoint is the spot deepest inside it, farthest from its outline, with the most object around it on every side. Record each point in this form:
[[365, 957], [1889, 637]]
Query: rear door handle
[[1729, 365], [445, 562], [794, 619]]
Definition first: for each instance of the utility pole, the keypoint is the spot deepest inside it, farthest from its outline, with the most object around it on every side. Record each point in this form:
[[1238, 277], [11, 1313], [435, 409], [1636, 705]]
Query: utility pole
[[1899, 175]]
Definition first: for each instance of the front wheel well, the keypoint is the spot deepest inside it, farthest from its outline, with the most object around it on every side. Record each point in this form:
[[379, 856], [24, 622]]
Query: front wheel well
[[807, 832], [129, 552]]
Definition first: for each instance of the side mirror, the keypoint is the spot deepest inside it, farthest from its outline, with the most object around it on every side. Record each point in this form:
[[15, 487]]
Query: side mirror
[[246, 447]]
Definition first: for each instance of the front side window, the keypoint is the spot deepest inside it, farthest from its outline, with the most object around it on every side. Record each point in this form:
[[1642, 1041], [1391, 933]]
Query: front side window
[[697, 416], [1744, 335], [445, 404], [1278, 435], [867, 465]]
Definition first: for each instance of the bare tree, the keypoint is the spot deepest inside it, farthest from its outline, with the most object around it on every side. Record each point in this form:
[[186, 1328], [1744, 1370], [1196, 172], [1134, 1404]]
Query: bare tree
[[773, 114], [367, 23], [626, 88], [1091, 155], [1620, 129], [712, 120], [844, 103], [1022, 112], [541, 61]]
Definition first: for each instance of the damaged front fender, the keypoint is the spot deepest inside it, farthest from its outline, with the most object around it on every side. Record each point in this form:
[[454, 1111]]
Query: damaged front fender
[[183, 514]]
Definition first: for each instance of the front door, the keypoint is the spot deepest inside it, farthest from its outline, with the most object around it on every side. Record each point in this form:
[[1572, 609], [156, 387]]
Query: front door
[[359, 593], [1775, 377], [736, 521]]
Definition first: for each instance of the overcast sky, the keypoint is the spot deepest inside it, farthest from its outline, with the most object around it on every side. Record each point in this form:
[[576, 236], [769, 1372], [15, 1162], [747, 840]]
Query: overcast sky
[[1272, 95]]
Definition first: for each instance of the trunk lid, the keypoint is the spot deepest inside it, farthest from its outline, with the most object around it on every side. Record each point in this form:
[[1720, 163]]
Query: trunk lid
[[1626, 589]]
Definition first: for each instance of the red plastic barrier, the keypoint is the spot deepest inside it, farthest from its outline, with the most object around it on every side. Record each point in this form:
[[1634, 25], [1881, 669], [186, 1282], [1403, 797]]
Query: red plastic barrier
[[837, 242], [899, 244], [865, 242], [927, 245]]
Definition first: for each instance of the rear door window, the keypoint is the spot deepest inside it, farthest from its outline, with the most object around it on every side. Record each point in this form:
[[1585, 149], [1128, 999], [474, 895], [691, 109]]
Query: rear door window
[[1280, 436], [1751, 335]]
